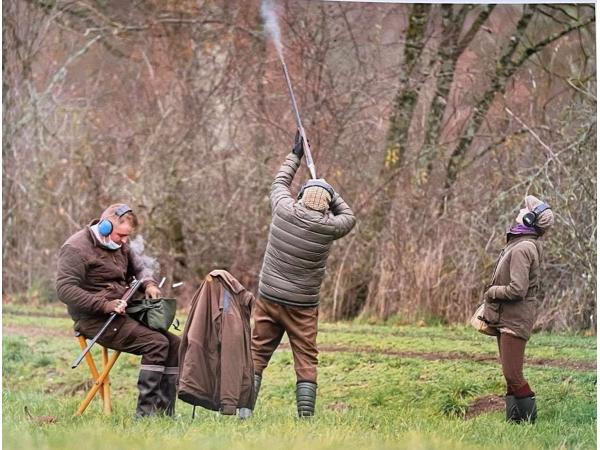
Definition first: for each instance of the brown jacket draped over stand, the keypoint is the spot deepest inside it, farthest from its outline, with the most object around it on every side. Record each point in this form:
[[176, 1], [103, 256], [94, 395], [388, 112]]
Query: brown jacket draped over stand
[[215, 357]]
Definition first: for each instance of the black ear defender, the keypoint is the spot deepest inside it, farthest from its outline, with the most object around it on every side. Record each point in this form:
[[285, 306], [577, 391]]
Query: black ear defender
[[320, 183], [531, 217], [105, 226]]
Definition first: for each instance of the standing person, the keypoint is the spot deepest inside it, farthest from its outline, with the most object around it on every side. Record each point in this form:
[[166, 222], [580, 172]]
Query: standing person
[[301, 233], [511, 302], [94, 266]]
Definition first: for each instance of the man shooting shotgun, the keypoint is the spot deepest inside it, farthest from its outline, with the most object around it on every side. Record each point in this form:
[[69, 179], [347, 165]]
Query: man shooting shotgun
[[94, 266], [302, 231]]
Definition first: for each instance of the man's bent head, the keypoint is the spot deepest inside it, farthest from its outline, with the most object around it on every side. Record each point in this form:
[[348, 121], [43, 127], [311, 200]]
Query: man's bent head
[[123, 221]]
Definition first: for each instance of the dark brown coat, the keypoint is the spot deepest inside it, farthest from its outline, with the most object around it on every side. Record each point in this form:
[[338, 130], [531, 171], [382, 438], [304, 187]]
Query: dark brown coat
[[215, 357], [89, 275], [511, 300]]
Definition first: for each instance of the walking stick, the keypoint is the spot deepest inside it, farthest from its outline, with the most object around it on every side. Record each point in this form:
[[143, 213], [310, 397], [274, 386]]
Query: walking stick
[[132, 290]]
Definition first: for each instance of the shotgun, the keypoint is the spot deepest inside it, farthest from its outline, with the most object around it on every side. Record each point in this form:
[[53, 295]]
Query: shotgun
[[132, 290], [307, 153]]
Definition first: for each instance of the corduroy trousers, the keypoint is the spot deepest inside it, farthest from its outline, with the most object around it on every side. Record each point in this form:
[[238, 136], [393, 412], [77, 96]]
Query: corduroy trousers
[[271, 320]]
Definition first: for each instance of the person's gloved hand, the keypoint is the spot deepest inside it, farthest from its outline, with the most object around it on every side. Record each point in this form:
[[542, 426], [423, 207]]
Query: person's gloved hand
[[298, 149], [152, 291], [490, 294], [117, 306]]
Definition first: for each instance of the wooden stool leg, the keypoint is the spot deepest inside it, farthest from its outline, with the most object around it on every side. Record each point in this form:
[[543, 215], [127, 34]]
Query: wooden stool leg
[[106, 385], [90, 361], [98, 384]]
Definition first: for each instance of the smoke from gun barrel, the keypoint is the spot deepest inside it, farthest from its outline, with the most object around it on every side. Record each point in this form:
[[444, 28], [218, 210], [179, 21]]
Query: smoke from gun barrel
[[272, 26]]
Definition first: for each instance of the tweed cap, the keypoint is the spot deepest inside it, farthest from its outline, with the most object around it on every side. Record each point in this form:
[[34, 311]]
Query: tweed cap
[[317, 198], [546, 219]]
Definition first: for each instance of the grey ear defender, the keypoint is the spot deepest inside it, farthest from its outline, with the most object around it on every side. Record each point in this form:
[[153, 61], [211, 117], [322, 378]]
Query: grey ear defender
[[531, 217]]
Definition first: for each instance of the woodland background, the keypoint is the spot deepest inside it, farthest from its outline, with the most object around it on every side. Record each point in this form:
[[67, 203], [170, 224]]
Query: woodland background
[[433, 122]]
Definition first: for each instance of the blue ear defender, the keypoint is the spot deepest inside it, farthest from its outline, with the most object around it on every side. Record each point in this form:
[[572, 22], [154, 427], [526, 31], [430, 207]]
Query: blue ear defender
[[105, 226]]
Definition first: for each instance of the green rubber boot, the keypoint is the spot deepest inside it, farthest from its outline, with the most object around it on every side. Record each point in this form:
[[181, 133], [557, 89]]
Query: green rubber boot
[[306, 396]]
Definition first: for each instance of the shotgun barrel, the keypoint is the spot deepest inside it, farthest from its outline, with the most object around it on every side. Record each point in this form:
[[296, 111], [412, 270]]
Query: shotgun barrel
[[307, 153]]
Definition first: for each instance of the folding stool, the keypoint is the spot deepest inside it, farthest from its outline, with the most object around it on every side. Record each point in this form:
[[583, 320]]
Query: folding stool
[[101, 380]]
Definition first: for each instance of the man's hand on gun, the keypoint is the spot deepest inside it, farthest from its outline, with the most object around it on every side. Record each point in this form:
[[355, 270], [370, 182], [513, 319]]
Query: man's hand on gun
[[298, 149], [117, 306]]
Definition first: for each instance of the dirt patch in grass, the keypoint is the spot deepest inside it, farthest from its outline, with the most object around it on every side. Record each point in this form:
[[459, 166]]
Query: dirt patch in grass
[[485, 404], [433, 356], [31, 331]]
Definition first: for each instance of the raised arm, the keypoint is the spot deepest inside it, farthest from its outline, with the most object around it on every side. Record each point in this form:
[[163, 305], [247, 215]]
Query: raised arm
[[280, 189], [344, 218]]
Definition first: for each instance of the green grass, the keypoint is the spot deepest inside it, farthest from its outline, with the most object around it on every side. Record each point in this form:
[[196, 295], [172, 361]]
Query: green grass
[[365, 400]]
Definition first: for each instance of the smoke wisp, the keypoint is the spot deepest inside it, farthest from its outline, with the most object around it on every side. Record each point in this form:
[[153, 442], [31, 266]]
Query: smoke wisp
[[151, 265], [267, 11]]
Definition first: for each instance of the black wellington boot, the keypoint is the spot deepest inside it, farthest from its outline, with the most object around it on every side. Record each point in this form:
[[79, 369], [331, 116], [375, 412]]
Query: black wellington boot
[[306, 396], [246, 413], [168, 393], [527, 409], [257, 382], [149, 399], [512, 410]]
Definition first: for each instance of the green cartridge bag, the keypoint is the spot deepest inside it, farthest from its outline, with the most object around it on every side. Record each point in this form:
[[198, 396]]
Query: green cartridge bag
[[155, 313]]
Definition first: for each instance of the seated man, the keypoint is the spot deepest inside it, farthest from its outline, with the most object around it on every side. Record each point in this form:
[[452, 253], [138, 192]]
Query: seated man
[[300, 237], [94, 266]]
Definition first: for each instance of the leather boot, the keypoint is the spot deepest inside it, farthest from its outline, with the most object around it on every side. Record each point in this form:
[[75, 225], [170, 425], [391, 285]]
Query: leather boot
[[527, 409], [149, 398], [306, 396], [168, 393], [512, 410]]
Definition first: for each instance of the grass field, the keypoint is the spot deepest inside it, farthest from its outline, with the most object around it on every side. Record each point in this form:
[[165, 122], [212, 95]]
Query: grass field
[[379, 387]]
